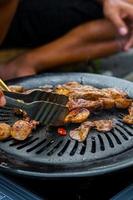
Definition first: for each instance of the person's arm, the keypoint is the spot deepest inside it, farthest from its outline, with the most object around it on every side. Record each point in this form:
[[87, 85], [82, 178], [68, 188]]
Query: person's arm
[[7, 11], [118, 12], [88, 41]]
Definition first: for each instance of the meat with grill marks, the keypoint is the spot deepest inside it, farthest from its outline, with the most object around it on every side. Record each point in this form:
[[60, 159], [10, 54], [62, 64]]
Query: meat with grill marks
[[80, 134], [77, 116], [103, 125]]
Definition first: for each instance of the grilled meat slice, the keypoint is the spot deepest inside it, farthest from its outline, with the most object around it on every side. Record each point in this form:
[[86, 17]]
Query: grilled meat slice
[[128, 119], [21, 129], [123, 103], [5, 131], [77, 116], [103, 125], [108, 103], [82, 103], [81, 133], [114, 93]]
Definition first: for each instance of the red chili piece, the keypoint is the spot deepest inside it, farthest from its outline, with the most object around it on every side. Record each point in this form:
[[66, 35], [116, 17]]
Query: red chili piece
[[62, 132]]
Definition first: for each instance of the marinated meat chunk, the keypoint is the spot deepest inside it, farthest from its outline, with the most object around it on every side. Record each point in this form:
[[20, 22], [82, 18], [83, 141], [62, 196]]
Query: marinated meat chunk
[[128, 119], [123, 103], [93, 94], [81, 133], [108, 103], [114, 93], [82, 103], [77, 116], [103, 125], [5, 131], [21, 130]]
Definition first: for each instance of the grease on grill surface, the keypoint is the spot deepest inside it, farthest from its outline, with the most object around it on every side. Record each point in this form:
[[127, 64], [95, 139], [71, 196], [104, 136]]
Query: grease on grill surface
[[84, 100]]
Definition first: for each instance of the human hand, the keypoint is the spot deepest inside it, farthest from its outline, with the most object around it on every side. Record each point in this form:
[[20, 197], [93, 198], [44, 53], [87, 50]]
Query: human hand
[[118, 12], [16, 68]]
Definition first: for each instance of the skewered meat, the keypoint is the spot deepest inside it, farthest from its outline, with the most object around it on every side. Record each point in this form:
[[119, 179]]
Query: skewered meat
[[16, 88], [82, 103], [128, 119], [81, 133], [2, 99], [123, 103], [77, 116], [103, 125], [21, 129], [5, 131]]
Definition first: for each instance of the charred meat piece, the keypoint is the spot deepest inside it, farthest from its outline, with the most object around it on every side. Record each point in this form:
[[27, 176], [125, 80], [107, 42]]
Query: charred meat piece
[[5, 131], [82, 103], [81, 133], [103, 125], [123, 103], [77, 116], [2, 99], [21, 130], [128, 119]]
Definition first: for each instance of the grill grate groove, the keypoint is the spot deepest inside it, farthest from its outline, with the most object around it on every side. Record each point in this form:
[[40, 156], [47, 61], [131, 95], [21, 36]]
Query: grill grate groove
[[116, 137], [83, 149], [111, 144], [64, 149], [73, 151], [27, 143], [55, 148], [45, 147], [121, 133], [36, 146], [93, 148], [102, 147]]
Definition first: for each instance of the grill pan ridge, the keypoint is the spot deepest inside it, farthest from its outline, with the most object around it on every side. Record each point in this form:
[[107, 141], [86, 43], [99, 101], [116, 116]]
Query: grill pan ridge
[[46, 155]]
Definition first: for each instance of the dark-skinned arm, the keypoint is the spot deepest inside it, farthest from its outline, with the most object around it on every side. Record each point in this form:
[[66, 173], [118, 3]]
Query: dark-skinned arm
[[89, 41]]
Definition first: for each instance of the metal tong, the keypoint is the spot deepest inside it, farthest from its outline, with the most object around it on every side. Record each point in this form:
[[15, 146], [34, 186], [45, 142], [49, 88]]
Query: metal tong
[[47, 108]]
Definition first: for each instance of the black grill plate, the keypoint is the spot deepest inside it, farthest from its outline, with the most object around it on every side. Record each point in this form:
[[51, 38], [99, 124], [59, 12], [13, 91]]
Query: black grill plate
[[45, 154]]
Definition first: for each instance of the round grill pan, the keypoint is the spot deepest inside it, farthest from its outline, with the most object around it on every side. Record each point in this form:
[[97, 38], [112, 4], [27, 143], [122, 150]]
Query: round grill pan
[[46, 155]]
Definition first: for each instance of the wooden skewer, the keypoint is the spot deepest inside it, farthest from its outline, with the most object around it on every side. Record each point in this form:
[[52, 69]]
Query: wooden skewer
[[3, 86]]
